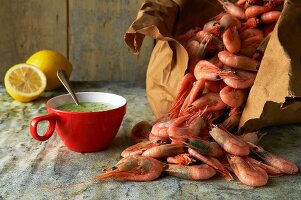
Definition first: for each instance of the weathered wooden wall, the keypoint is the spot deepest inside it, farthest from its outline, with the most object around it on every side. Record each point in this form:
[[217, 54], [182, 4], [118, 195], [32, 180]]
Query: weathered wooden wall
[[88, 32]]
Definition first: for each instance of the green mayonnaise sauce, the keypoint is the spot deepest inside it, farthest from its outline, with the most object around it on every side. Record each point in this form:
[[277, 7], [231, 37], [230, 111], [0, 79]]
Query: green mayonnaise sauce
[[86, 107]]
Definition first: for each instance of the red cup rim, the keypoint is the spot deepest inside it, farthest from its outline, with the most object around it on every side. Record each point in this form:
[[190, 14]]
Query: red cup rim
[[104, 97]]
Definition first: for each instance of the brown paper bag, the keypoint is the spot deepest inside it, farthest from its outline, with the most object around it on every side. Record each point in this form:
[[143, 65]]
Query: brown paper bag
[[275, 97]]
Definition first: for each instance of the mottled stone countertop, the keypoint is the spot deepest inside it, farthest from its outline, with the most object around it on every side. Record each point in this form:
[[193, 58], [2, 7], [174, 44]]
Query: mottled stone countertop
[[48, 170]]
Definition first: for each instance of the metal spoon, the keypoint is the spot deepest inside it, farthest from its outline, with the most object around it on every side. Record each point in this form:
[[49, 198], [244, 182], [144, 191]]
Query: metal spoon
[[61, 74]]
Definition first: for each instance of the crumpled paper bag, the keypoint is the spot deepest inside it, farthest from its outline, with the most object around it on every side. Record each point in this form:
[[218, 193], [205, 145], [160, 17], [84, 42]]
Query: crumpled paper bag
[[275, 97]]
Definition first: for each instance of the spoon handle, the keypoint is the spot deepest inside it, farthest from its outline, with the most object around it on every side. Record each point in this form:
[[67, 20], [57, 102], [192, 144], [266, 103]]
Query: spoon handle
[[61, 74]]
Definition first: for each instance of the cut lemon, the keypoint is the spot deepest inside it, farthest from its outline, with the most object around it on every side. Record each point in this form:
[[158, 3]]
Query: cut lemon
[[24, 82]]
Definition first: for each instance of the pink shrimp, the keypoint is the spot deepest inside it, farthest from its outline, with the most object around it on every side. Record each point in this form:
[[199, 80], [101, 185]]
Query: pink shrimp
[[194, 172], [195, 93], [206, 70], [284, 165], [160, 128], [140, 131], [232, 121], [229, 142], [209, 102], [231, 39], [212, 27], [270, 17], [139, 148], [196, 49], [255, 10], [238, 62], [229, 20], [269, 169], [212, 162], [253, 22], [250, 32], [181, 159], [234, 10], [212, 42], [251, 36], [183, 91], [189, 125], [233, 97], [238, 79], [248, 173], [204, 147], [164, 150], [134, 168]]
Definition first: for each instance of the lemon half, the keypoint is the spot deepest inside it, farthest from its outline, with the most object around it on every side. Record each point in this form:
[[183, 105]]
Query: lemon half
[[24, 82]]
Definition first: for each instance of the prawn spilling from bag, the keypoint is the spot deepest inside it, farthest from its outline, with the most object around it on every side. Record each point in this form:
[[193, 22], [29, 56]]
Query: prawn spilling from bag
[[199, 138]]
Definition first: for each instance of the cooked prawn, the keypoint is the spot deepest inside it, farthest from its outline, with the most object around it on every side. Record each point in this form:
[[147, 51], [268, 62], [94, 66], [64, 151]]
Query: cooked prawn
[[238, 79], [255, 10], [194, 172], [233, 97], [206, 70], [160, 128], [253, 22], [238, 62], [134, 168], [269, 169], [229, 142], [213, 162], [284, 165], [212, 27], [248, 173], [270, 17], [204, 147], [231, 39], [139, 148], [164, 150]]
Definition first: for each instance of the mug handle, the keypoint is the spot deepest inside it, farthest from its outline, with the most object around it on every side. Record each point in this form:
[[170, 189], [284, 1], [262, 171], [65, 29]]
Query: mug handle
[[51, 118]]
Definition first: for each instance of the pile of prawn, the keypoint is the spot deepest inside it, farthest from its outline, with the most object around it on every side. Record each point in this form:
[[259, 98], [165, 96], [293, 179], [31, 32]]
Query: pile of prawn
[[198, 137]]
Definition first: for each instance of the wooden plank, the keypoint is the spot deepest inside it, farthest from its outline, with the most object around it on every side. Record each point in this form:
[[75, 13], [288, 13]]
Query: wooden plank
[[97, 48], [29, 26]]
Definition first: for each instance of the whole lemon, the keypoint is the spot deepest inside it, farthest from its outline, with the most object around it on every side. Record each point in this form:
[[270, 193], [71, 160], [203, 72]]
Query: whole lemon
[[49, 61]]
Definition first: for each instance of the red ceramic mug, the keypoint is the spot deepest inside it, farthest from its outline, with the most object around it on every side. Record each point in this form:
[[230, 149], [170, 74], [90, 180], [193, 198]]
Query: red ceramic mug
[[82, 131]]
